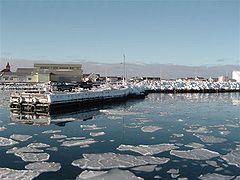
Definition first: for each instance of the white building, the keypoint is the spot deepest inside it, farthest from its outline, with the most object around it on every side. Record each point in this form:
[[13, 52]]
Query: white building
[[236, 75]]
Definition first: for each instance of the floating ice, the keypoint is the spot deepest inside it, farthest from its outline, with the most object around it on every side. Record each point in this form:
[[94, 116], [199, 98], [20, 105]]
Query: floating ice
[[91, 127], [51, 131], [237, 178], [173, 171], [75, 138], [196, 154], [202, 130], [90, 174], [20, 137], [97, 134], [24, 150], [147, 168], [52, 149], [233, 157], [212, 163], [194, 145], [215, 176], [150, 128], [7, 142], [58, 136], [119, 112], [147, 149], [32, 157], [2, 128], [38, 145], [225, 133], [44, 166], [78, 142], [12, 174], [178, 135], [115, 174], [111, 160], [210, 139]]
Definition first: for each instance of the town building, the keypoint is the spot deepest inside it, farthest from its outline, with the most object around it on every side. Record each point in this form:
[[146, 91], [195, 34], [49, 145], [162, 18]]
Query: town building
[[43, 73]]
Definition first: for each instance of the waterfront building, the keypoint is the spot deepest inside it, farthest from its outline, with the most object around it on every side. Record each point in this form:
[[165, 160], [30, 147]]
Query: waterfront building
[[43, 73], [59, 72], [236, 75]]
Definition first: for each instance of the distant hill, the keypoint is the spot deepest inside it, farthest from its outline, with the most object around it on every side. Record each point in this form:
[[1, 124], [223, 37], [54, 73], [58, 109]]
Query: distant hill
[[144, 69]]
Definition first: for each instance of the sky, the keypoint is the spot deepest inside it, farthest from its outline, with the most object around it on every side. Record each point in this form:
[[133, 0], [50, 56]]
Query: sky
[[180, 32]]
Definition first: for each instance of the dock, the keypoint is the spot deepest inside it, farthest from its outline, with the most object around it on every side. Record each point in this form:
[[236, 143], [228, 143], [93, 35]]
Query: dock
[[55, 102]]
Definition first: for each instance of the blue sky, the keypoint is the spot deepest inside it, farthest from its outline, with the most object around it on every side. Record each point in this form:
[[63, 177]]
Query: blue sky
[[177, 32]]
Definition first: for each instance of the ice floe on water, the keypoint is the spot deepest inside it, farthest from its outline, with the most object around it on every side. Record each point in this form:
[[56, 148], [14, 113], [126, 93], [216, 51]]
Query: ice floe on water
[[177, 135], [38, 145], [195, 154], [215, 176], [58, 136], [93, 134], [194, 145], [147, 149], [32, 157], [75, 138], [91, 127], [115, 174], [233, 157], [202, 130], [52, 149], [147, 168], [213, 163], [119, 112], [80, 142], [111, 160], [12, 174], [44, 166], [210, 139], [20, 137], [150, 128], [51, 131], [2, 128], [7, 142], [23, 150]]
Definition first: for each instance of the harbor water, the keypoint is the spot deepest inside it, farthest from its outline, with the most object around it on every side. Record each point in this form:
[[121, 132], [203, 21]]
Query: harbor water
[[164, 136]]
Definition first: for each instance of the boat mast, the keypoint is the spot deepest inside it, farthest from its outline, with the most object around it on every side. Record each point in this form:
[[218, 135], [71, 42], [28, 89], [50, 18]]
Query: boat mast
[[124, 70]]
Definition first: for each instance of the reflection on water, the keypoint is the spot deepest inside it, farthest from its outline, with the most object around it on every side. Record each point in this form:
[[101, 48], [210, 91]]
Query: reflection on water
[[46, 119], [164, 136]]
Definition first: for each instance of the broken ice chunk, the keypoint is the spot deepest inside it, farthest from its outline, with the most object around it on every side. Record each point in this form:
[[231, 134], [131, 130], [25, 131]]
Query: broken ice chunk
[[23, 150], [7, 142], [58, 136], [12, 174], [78, 142], [233, 157], [196, 154], [20, 137], [210, 139], [93, 134], [147, 149], [112, 160], [32, 157], [44, 166], [38, 145], [215, 176], [115, 174], [150, 128]]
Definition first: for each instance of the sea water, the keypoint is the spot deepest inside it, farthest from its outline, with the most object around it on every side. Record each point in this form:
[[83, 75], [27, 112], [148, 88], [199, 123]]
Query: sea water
[[164, 136]]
